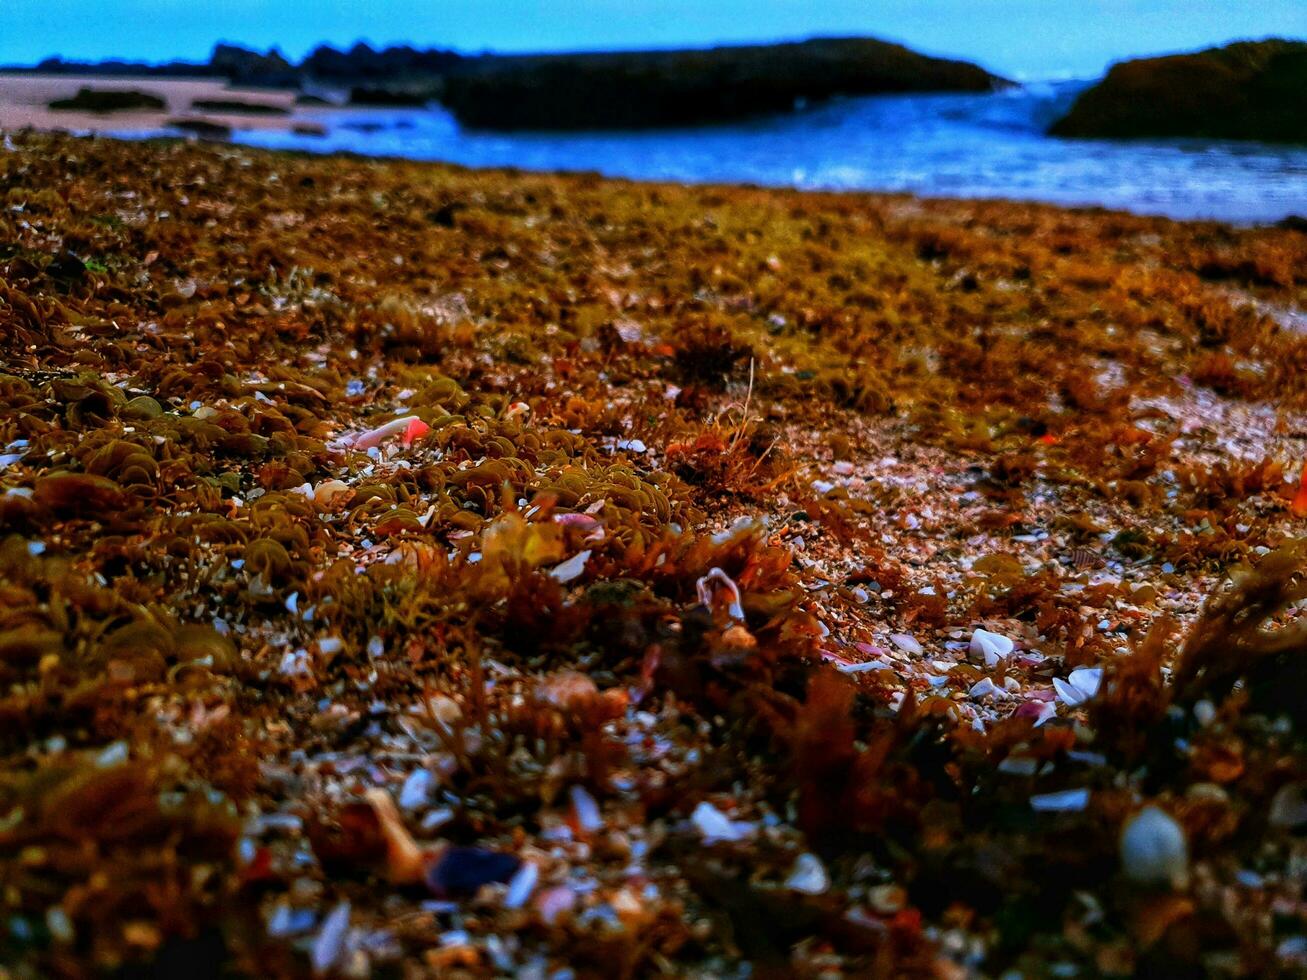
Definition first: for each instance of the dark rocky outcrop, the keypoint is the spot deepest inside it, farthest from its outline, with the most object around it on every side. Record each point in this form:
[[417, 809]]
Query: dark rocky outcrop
[[203, 128], [242, 66], [389, 98], [1251, 90], [643, 89], [90, 99], [239, 107], [362, 63]]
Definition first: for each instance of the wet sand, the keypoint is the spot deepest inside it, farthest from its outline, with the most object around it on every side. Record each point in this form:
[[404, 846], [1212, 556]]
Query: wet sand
[[25, 100]]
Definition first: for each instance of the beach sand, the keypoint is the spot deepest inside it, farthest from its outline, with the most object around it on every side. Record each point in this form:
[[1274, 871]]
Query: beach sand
[[25, 99]]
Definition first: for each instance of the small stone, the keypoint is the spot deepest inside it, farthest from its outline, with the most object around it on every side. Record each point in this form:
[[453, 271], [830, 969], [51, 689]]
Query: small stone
[[1153, 848]]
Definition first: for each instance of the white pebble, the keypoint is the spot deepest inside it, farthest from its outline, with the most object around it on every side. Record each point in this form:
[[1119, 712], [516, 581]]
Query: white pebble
[[1153, 848]]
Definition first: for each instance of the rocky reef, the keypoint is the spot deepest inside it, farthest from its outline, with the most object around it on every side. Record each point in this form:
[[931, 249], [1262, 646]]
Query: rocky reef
[[90, 99], [1251, 90], [642, 89]]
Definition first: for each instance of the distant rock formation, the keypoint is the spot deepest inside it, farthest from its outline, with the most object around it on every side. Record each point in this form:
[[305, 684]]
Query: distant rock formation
[[90, 99], [644, 89], [242, 66], [603, 90], [362, 63], [1251, 90]]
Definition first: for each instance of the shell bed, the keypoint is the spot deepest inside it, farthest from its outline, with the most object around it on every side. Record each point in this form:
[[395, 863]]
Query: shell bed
[[415, 571]]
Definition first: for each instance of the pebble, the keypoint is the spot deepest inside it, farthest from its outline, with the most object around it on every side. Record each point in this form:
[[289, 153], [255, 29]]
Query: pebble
[[1153, 848]]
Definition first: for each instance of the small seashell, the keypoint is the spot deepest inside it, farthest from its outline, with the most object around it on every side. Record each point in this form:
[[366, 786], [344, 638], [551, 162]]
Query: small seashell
[[809, 875], [990, 647], [1153, 848], [1080, 686], [907, 644], [715, 826]]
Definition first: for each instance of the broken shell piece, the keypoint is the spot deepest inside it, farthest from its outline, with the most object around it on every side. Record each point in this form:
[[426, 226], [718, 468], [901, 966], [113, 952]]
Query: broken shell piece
[[409, 428], [406, 862], [521, 885], [809, 875], [1153, 848], [330, 493], [990, 647], [707, 590], [588, 817], [329, 943], [1064, 801], [1081, 686], [571, 569], [716, 826]]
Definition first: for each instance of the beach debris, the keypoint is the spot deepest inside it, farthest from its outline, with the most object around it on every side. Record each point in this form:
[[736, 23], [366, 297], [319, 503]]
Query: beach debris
[[1062, 801], [1081, 685], [416, 791], [571, 569], [716, 827], [907, 643], [989, 648], [406, 862], [1154, 850], [715, 582], [521, 885], [408, 428], [808, 875], [585, 810], [329, 943]]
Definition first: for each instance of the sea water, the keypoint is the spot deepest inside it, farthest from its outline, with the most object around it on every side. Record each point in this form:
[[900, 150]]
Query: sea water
[[948, 145]]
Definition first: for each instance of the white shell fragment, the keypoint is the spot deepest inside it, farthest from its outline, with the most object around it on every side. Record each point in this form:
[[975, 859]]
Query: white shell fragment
[[329, 943], [809, 875], [715, 826], [990, 647], [1081, 686], [1063, 801], [908, 644], [521, 885], [1153, 848], [572, 568]]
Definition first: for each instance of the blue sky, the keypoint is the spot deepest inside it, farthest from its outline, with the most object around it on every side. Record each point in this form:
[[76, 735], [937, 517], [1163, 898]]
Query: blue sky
[[1024, 38]]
